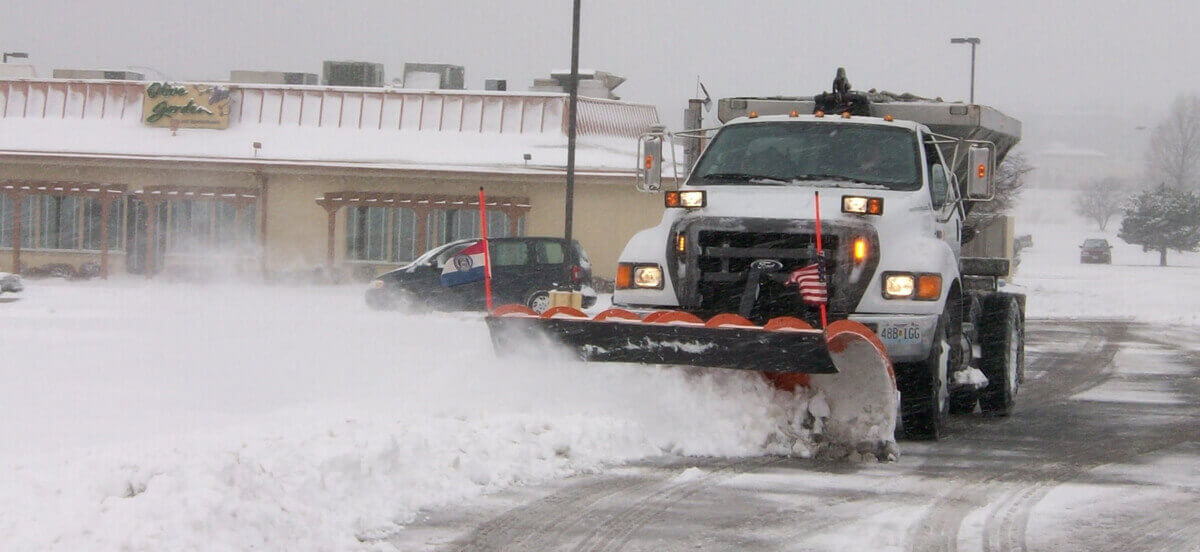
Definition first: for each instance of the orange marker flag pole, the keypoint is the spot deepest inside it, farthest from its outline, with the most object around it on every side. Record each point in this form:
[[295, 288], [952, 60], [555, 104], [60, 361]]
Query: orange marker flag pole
[[487, 254], [820, 256]]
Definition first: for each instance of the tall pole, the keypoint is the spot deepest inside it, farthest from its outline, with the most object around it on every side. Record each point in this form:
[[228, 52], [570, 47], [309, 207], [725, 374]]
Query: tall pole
[[574, 103], [973, 41], [973, 44]]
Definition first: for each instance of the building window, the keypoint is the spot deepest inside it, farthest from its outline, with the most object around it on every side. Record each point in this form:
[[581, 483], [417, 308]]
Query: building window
[[405, 235], [199, 226], [6, 222], [459, 224], [367, 233], [61, 223]]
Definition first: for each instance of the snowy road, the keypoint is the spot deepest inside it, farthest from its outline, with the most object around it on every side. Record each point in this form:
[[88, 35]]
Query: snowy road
[[1103, 453]]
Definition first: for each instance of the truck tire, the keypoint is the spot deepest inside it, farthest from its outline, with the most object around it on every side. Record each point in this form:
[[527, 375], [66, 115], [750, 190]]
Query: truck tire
[[923, 398], [1002, 336]]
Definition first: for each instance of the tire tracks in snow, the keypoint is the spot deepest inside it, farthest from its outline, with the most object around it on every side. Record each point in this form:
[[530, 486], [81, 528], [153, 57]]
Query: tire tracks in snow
[[600, 515], [1068, 373]]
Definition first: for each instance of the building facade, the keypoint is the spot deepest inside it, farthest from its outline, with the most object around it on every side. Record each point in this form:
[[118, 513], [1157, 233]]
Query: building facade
[[193, 179]]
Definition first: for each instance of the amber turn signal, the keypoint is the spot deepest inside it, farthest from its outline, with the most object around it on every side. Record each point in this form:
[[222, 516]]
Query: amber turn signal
[[929, 287]]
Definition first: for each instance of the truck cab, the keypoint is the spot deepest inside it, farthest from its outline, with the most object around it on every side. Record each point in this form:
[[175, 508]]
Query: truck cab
[[891, 216]]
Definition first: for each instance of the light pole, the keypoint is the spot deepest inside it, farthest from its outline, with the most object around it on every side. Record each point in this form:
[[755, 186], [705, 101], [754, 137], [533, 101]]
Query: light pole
[[574, 103], [15, 55], [973, 41]]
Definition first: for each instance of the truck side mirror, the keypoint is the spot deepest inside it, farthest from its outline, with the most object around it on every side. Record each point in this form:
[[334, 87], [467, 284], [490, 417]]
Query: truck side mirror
[[938, 185], [980, 165], [649, 170]]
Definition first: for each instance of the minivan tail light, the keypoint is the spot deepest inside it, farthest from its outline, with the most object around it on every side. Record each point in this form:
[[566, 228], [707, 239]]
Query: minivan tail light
[[576, 274]]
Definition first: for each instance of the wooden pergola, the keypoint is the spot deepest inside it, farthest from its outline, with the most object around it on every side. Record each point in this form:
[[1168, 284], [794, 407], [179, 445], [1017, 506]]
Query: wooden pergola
[[18, 190], [422, 204], [152, 196]]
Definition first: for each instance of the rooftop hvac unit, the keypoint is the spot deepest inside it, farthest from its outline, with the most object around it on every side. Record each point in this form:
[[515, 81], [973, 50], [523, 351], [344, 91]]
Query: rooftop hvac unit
[[495, 84], [438, 76], [352, 73], [273, 77], [96, 74]]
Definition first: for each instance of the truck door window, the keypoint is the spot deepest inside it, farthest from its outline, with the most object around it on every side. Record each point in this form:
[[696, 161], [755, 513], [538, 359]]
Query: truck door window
[[939, 184]]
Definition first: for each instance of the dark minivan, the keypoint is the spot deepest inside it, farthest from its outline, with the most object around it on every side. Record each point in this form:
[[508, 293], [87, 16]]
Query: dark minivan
[[1095, 250], [524, 270]]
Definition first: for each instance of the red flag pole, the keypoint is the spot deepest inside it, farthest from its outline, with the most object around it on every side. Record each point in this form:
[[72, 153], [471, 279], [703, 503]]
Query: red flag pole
[[487, 255], [820, 254]]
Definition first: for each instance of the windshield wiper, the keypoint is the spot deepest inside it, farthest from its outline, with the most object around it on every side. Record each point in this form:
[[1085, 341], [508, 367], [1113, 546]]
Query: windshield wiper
[[742, 177]]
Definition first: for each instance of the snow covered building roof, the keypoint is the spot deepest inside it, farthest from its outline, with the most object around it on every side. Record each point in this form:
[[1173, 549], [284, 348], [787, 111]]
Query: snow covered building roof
[[385, 128]]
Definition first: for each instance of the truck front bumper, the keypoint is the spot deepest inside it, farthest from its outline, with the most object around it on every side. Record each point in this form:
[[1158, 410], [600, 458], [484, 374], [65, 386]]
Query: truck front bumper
[[907, 337]]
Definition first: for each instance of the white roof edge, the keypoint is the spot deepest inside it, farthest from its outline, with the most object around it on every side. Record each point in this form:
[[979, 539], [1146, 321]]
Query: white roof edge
[[493, 169]]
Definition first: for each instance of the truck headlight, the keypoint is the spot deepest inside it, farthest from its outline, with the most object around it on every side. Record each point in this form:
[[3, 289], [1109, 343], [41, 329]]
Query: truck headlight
[[687, 199], [903, 285], [634, 275], [898, 286], [859, 205], [648, 276]]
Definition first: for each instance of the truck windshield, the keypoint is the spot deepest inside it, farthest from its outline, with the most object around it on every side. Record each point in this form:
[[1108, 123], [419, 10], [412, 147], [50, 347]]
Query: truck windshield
[[796, 152]]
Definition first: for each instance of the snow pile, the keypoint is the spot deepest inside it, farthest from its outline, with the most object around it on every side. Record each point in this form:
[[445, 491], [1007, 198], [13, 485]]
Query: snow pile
[[152, 417]]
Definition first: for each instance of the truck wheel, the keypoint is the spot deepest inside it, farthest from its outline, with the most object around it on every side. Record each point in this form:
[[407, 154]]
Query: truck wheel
[[923, 396], [1002, 337]]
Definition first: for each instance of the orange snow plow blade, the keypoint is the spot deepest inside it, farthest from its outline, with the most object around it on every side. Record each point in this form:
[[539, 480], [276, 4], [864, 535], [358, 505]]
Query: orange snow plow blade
[[843, 372]]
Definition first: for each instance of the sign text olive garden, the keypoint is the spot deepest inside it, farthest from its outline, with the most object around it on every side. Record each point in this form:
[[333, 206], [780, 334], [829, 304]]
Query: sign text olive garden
[[188, 105]]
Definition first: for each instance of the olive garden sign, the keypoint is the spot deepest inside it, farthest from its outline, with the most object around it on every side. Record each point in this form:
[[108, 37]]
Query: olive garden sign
[[187, 105]]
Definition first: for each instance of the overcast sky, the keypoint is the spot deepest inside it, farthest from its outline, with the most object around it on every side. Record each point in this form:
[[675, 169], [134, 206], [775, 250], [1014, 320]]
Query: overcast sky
[[1086, 73]]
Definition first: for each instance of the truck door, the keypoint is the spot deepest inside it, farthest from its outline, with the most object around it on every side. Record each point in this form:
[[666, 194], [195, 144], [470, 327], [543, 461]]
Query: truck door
[[943, 195]]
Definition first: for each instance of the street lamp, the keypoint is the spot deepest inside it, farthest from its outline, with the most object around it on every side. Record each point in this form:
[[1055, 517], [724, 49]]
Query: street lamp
[[571, 128], [973, 41], [15, 55]]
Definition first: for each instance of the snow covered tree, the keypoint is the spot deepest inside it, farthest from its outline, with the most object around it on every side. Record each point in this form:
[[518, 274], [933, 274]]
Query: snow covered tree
[[1100, 201], [1162, 219], [1174, 155]]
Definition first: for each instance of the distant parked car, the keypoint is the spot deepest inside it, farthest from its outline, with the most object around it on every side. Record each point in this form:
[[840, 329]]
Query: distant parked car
[[524, 270], [1095, 250]]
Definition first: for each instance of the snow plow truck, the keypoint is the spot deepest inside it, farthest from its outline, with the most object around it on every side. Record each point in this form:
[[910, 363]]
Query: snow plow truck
[[817, 240]]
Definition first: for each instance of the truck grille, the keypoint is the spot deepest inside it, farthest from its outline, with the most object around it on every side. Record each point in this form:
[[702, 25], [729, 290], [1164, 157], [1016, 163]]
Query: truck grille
[[724, 259]]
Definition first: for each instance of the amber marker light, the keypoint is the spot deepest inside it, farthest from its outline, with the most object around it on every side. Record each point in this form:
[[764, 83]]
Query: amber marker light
[[624, 278], [929, 287], [680, 243], [793, 113], [981, 171], [819, 114], [889, 118], [753, 114], [861, 250]]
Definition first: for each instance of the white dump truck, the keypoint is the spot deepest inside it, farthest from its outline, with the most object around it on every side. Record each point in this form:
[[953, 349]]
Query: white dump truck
[[720, 281]]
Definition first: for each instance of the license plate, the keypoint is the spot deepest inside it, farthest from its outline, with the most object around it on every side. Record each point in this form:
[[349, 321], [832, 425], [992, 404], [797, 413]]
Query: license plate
[[901, 333]]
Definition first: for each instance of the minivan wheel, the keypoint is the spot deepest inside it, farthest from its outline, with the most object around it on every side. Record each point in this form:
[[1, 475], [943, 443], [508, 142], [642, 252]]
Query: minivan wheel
[[539, 301]]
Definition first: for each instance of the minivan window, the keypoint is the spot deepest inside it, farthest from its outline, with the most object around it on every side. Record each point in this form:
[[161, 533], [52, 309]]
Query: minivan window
[[509, 253], [550, 252]]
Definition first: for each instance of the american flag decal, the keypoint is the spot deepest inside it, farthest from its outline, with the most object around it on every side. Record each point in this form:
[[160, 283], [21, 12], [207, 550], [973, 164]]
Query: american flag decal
[[811, 280]]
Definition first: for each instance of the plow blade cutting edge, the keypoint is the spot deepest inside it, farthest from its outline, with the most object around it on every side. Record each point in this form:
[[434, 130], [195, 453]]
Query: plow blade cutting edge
[[842, 377]]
